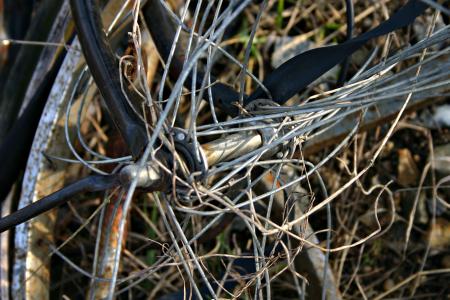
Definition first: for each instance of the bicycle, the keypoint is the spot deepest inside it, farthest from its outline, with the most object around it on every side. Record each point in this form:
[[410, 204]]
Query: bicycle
[[260, 137]]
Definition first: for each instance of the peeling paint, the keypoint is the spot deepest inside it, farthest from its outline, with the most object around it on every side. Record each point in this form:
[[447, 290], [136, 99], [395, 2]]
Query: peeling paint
[[24, 261]]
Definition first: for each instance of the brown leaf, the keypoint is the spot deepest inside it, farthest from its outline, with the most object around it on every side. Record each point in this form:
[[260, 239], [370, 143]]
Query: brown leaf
[[439, 234], [407, 171]]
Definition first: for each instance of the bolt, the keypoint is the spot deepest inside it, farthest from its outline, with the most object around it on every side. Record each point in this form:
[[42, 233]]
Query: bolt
[[180, 136]]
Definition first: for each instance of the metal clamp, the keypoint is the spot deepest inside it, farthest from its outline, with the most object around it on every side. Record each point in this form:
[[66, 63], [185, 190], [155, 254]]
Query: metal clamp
[[187, 150]]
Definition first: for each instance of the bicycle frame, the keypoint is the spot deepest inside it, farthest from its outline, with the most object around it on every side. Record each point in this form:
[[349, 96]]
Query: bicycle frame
[[199, 159], [101, 59]]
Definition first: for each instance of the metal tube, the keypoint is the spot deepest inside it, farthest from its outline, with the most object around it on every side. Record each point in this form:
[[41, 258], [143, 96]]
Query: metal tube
[[231, 146]]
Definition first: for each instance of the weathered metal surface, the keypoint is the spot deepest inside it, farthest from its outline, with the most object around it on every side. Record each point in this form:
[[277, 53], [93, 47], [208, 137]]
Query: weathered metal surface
[[31, 271], [108, 247]]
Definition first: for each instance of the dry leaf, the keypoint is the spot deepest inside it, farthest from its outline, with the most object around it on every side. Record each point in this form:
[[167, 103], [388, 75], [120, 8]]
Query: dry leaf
[[407, 171], [439, 234]]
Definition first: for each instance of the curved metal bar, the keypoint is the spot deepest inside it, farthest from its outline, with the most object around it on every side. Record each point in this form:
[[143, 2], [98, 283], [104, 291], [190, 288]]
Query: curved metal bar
[[105, 70], [94, 183], [17, 143], [163, 29]]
